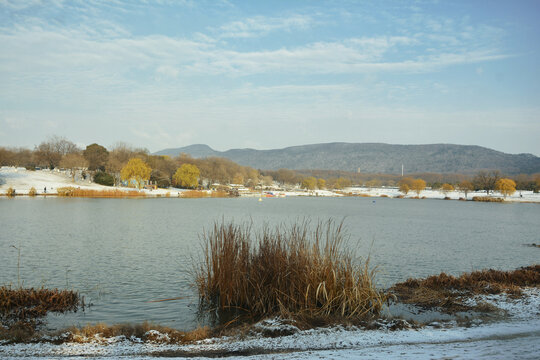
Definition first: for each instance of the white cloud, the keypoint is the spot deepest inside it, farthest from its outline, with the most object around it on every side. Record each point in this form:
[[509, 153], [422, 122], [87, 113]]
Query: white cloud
[[168, 71], [261, 25]]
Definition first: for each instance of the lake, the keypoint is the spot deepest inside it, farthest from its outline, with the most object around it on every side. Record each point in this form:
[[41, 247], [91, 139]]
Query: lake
[[122, 253]]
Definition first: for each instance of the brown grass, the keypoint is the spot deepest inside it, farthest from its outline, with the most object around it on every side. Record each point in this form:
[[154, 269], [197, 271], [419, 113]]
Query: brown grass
[[10, 192], [350, 194], [196, 194], [114, 193], [487, 199], [32, 192], [160, 334], [26, 307], [446, 291], [291, 271]]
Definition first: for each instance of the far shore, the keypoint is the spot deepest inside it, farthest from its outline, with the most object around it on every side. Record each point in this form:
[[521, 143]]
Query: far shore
[[46, 183]]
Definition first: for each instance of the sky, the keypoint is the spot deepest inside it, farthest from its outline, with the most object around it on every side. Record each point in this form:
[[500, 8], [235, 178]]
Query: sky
[[270, 74]]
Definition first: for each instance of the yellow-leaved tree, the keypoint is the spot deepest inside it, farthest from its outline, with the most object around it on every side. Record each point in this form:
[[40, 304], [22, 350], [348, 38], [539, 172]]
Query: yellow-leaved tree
[[506, 186], [309, 183], [137, 170], [187, 176], [404, 188], [446, 188], [417, 186]]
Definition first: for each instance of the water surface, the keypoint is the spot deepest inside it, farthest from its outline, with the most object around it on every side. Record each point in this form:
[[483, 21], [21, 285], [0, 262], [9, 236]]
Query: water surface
[[122, 253]]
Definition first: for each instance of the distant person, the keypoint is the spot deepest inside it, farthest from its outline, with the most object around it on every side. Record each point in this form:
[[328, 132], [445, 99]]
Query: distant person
[[45, 190]]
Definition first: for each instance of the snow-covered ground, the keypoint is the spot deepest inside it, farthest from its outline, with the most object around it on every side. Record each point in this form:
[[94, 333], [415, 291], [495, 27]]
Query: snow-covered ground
[[517, 336], [23, 180], [518, 196]]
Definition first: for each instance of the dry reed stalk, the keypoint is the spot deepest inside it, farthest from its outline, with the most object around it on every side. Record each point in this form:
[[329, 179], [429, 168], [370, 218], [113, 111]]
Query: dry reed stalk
[[287, 270]]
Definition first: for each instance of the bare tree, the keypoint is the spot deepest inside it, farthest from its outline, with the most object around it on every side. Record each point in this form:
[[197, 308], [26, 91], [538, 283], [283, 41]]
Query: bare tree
[[51, 151], [486, 180]]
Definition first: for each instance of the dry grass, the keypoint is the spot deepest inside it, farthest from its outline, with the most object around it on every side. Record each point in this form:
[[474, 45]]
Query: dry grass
[[196, 194], [146, 332], [22, 310], [294, 271], [446, 291], [115, 193], [32, 192], [10, 192], [487, 199]]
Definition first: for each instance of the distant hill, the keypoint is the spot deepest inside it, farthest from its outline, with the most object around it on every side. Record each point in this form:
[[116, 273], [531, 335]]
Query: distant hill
[[374, 158]]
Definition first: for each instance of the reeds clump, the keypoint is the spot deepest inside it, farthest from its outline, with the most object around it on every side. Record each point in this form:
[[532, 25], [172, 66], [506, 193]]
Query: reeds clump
[[10, 192], [28, 305], [487, 199], [295, 270], [32, 192], [446, 291], [197, 194], [115, 193]]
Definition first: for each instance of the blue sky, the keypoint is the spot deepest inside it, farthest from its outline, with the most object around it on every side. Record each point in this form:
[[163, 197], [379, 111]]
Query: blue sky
[[270, 74]]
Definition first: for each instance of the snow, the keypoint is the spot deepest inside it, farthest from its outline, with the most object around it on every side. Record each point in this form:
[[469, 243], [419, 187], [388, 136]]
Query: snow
[[23, 180], [515, 336], [518, 196]]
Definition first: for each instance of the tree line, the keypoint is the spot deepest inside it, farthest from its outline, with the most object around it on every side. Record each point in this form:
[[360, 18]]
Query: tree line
[[108, 167], [122, 162]]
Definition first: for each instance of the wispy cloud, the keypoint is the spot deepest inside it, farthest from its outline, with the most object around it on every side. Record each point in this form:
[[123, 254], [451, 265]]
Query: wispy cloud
[[262, 25], [66, 59]]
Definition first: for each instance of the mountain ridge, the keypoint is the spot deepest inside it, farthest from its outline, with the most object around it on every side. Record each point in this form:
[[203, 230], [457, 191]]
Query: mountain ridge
[[373, 158]]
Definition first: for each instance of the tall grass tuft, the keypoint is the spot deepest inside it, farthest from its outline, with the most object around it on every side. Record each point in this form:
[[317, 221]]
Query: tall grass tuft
[[32, 191], [76, 192], [10, 192], [295, 270]]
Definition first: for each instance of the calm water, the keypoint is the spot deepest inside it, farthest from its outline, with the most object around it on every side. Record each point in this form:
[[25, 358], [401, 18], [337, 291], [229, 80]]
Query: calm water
[[122, 253]]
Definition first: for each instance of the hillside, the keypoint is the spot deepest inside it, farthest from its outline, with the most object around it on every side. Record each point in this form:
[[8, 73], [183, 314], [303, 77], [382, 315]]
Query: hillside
[[374, 158]]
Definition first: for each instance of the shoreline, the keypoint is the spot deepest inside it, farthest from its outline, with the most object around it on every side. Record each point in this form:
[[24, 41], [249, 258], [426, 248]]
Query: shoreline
[[275, 336], [23, 181], [167, 193]]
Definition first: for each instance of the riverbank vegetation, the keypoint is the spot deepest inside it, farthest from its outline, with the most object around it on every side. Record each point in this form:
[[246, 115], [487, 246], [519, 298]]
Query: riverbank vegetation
[[88, 193], [449, 293], [197, 194], [289, 271], [487, 199], [22, 310]]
